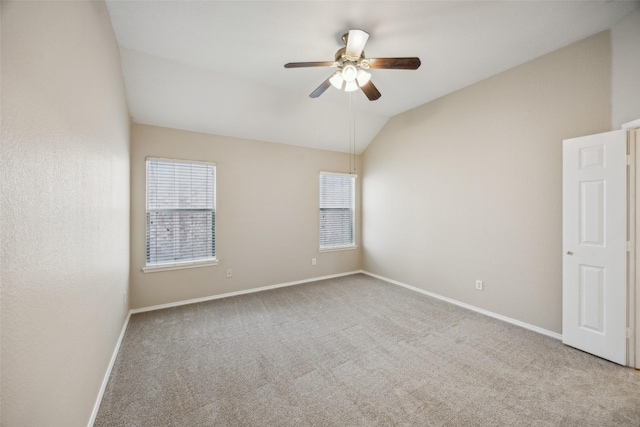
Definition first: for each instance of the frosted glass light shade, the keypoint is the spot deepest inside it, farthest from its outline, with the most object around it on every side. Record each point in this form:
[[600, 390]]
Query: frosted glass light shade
[[349, 73], [363, 77], [351, 86], [336, 80]]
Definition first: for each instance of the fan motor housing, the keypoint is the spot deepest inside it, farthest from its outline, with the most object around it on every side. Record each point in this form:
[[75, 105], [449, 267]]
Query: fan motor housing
[[343, 59]]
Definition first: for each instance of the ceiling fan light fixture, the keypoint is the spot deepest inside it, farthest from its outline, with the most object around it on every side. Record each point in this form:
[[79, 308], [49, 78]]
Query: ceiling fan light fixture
[[350, 87], [363, 77], [336, 80], [349, 73]]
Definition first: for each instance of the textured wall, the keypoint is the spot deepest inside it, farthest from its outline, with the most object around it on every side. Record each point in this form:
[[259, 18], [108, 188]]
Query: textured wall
[[469, 186], [266, 221], [65, 209], [625, 73]]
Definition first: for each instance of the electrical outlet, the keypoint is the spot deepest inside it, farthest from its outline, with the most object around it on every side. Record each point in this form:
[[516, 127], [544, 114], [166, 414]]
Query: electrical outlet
[[479, 285], [313, 261], [229, 273]]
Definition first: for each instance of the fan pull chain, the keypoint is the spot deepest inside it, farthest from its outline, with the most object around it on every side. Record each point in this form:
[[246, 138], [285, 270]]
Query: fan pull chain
[[352, 135]]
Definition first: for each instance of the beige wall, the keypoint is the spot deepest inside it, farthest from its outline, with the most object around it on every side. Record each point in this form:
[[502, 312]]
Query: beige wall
[[266, 218], [469, 186], [625, 76], [65, 209]]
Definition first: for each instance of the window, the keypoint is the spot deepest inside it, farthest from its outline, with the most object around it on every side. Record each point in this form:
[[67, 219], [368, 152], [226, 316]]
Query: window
[[337, 211], [181, 214]]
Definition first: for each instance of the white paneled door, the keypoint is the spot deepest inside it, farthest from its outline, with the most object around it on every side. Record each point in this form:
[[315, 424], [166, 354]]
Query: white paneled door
[[594, 290]]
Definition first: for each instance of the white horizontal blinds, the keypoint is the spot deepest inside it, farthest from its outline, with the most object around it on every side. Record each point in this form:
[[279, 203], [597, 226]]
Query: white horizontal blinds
[[181, 216], [337, 195]]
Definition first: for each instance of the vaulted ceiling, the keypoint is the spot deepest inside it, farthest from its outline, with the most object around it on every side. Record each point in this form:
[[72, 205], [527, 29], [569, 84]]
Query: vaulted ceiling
[[218, 66]]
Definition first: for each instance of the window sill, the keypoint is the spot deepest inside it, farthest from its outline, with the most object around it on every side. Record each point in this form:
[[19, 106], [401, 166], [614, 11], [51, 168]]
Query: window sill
[[179, 265], [340, 248]]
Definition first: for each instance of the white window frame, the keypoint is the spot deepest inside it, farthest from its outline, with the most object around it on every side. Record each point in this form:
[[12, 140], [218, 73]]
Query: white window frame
[[176, 265], [352, 245]]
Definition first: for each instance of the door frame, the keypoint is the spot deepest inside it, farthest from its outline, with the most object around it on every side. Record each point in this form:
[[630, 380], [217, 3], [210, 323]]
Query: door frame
[[633, 279], [633, 285]]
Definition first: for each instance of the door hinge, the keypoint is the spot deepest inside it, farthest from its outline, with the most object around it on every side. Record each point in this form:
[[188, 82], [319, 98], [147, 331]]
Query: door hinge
[[628, 159], [629, 331], [629, 246]]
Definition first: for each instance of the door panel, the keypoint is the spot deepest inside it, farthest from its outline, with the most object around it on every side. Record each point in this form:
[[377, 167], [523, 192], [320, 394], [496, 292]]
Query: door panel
[[595, 245], [592, 212], [592, 298]]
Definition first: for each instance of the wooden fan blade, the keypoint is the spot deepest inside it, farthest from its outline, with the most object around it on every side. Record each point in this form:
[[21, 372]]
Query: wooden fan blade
[[355, 43], [395, 63], [371, 91], [308, 64], [320, 89]]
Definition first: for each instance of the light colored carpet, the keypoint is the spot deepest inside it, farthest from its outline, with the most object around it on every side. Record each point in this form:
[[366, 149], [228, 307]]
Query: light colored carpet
[[354, 351]]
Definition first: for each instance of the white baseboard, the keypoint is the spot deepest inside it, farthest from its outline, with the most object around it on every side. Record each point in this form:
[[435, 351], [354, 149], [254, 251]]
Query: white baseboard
[[105, 380], [471, 307], [232, 294]]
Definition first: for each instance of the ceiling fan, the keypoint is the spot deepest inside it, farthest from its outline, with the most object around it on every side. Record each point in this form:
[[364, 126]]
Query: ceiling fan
[[352, 67]]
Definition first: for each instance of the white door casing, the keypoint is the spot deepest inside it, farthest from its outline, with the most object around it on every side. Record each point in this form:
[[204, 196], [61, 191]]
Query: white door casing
[[594, 290]]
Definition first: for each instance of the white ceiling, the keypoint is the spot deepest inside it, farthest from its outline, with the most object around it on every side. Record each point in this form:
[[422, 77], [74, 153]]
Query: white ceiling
[[217, 66]]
